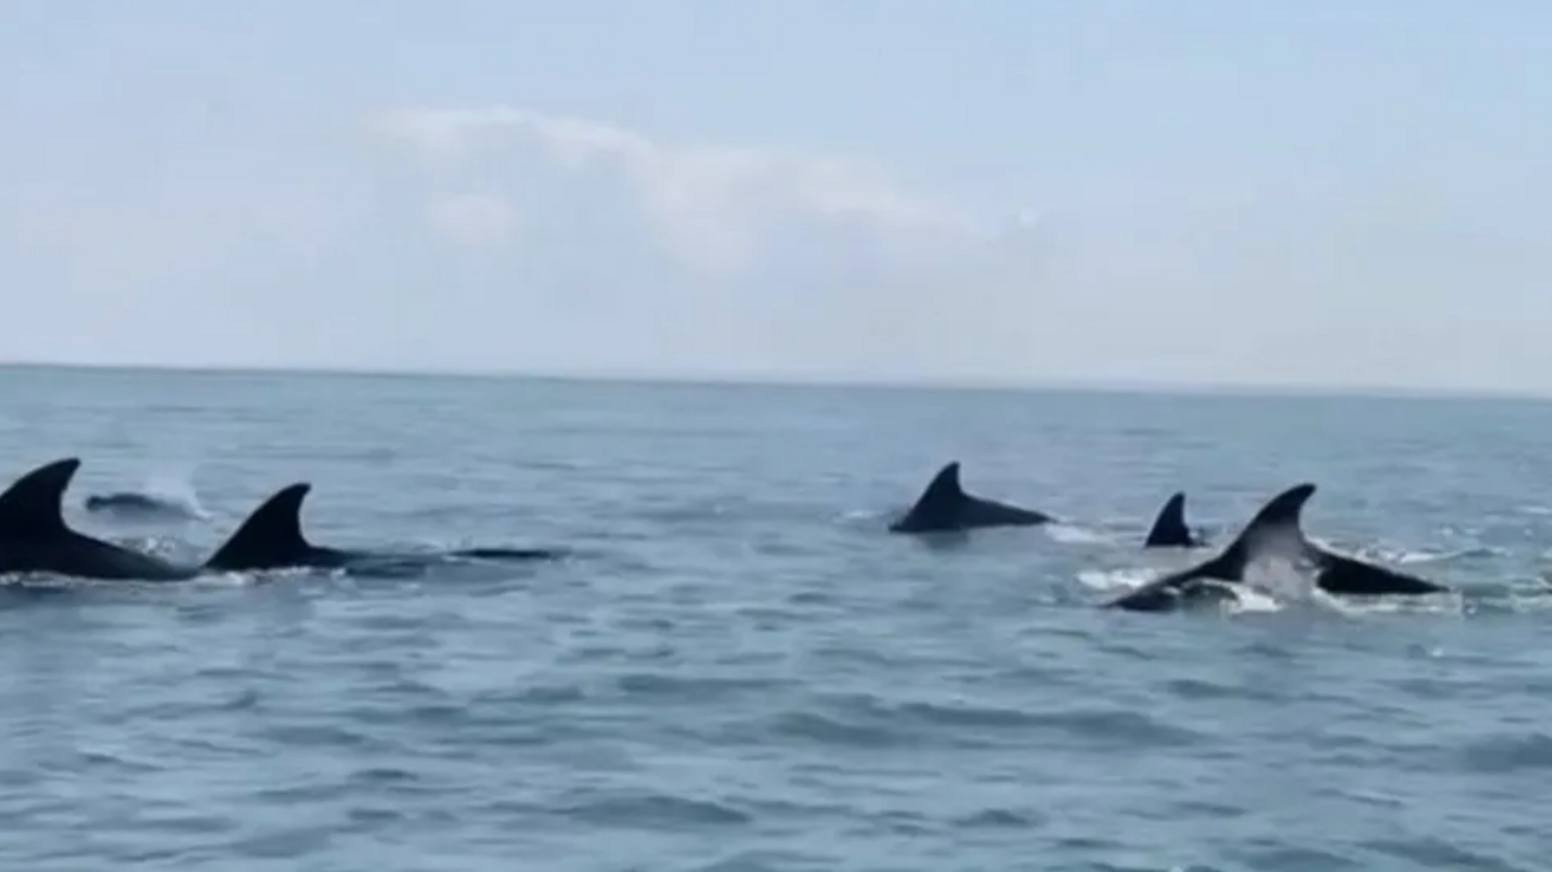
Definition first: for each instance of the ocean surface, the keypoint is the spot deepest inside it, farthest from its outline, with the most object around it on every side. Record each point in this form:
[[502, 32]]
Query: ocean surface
[[736, 668]]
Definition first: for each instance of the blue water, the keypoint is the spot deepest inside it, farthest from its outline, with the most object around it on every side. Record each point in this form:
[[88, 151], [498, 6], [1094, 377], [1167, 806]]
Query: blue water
[[738, 670]]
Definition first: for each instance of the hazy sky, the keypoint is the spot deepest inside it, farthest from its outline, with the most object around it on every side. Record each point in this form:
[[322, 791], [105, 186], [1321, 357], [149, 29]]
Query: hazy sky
[[1222, 190]]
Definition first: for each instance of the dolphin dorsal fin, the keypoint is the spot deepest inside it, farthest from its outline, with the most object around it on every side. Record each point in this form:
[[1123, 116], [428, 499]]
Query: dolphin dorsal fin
[[937, 505], [1170, 527], [270, 536], [35, 503], [943, 495], [944, 487], [1278, 519]]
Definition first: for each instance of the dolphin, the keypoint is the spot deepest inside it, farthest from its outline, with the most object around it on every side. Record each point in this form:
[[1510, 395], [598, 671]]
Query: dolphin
[[272, 538], [35, 538], [130, 502], [945, 506], [1273, 530], [1169, 529]]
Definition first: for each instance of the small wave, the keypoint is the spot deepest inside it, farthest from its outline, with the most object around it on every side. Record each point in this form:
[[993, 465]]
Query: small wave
[[964, 715], [692, 689], [1435, 853], [831, 730], [1407, 556], [653, 811], [1020, 818], [867, 721], [1117, 727], [1514, 753], [758, 861], [1533, 597], [1204, 689]]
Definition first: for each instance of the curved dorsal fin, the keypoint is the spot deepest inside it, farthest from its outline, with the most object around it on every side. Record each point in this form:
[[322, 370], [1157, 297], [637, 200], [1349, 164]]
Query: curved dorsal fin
[[1170, 526], [272, 535], [937, 505], [1277, 521], [944, 486], [35, 503], [1281, 511]]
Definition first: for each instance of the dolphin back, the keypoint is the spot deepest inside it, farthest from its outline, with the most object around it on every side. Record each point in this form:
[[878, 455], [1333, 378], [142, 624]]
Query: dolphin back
[[944, 506]]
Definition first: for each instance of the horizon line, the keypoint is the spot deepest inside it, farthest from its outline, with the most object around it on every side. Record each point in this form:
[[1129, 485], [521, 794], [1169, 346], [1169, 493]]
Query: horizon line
[[1244, 389]]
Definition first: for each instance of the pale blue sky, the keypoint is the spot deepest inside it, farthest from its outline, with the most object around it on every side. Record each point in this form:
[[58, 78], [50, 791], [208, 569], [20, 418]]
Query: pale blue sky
[[1231, 191]]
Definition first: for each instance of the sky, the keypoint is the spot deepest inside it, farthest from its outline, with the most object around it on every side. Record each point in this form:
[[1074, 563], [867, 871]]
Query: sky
[[1233, 192]]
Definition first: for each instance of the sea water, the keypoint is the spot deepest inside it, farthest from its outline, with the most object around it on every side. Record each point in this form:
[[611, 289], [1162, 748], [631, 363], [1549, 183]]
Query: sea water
[[738, 669]]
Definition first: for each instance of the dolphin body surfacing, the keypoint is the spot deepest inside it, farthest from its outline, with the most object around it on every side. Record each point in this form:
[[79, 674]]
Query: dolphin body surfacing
[[1169, 529], [1337, 573], [35, 538], [944, 506], [1275, 530], [272, 538], [126, 500], [136, 504]]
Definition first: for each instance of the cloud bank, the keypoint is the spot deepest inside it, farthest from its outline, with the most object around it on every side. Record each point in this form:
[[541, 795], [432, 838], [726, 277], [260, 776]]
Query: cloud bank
[[717, 209], [501, 238]]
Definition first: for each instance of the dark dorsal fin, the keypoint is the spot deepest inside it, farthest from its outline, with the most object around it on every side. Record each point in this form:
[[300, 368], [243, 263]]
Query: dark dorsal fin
[[1282, 511], [1170, 528], [271, 536], [1279, 517], [1276, 523], [944, 486], [937, 506], [35, 503]]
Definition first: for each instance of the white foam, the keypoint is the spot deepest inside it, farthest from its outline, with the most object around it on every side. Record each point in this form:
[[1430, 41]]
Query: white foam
[[1116, 579], [178, 490], [1249, 599], [1283, 579], [1072, 534]]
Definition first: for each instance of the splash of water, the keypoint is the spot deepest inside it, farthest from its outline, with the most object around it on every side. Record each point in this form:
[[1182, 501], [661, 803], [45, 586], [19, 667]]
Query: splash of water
[[1292, 580], [177, 488]]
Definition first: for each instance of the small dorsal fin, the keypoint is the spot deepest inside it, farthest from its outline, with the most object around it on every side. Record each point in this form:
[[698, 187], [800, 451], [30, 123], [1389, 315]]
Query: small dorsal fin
[[1170, 526], [35, 503], [271, 536]]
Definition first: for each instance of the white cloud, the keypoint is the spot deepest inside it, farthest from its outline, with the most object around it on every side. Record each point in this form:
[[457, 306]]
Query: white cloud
[[715, 207], [475, 220]]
